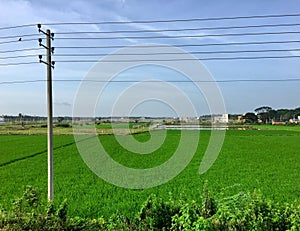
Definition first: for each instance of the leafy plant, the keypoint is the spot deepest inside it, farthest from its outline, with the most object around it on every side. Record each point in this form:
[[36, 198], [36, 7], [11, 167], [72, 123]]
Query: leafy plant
[[157, 214], [248, 212]]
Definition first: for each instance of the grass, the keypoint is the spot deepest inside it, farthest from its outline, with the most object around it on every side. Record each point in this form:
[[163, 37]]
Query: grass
[[278, 127], [41, 129], [267, 160]]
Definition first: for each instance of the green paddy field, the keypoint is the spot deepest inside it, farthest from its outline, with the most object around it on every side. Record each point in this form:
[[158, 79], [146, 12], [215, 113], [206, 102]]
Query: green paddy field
[[267, 159]]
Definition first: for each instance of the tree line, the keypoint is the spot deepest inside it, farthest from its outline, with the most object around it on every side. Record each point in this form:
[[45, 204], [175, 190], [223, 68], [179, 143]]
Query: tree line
[[266, 114]]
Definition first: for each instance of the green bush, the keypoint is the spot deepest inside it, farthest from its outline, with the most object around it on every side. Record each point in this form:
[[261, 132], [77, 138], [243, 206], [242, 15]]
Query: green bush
[[63, 125], [157, 214], [30, 213], [244, 211]]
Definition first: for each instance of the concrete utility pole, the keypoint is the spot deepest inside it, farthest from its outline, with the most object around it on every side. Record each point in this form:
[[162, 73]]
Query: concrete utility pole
[[50, 65]]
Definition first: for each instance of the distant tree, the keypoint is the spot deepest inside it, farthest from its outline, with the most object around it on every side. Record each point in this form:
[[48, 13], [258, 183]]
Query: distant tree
[[250, 117], [297, 111], [283, 115], [98, 120], [263, 113], [60, 119], [263, 109], [233, 116], [272, 114], [21, 120]]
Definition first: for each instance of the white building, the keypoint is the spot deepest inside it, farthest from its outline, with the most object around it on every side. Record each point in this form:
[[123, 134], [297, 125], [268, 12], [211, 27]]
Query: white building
[[220, 118]]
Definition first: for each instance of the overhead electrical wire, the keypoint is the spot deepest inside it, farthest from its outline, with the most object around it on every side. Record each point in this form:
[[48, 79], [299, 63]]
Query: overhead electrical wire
[[178, 45], [175, 20], [21, 81], [158, 45], [18, 36], [154, 21], [15, 27], [19, 56], [21, 50], [176, 53], [158, 53], [170, 60], [17, 64], [179, 36], [152, 81], [177, 30], [157, 30], [155, 60], [19, 41]]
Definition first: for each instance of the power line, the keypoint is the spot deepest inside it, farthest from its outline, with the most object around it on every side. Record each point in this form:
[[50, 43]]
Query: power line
[[155, 37], [162, 30], [177, 53], [171, 60], [178, 45], [18, 41], [180, 36], [175, 20], [153, 81], [15, 27], [157, 45], [18, 56], [155, 60], [21, 82], [17, 64], [159, 53], [181, 81], [158, 30], [19, 36], [155, 21], [181, 29], [25, 49]]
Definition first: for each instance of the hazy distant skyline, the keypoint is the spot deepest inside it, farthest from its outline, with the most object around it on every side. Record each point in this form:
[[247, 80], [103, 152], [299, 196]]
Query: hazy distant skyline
[[239, 97]]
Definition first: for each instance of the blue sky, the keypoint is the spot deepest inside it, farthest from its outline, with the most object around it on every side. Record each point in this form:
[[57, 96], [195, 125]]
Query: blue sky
[[239, 97]]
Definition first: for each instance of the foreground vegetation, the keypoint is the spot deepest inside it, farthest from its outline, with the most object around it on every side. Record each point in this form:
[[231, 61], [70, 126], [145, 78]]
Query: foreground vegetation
[[264, 159], [244, 211]]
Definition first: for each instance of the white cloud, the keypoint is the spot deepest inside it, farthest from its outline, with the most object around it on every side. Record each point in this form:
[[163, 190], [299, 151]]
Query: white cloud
[[17, 12]]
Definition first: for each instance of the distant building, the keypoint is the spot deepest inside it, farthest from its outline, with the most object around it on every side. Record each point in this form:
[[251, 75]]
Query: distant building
[[2, 120], [278, 122], [186, 119], [220, 118], [240, 119], [294, 121]]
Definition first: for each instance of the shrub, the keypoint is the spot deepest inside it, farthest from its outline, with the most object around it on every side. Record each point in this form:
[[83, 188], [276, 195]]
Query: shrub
[[30, 213], [157, 214], [244, 211], [63, 125]]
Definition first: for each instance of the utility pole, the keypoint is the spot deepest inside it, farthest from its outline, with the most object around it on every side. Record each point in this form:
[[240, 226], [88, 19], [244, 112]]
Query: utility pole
[[50, 66]]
